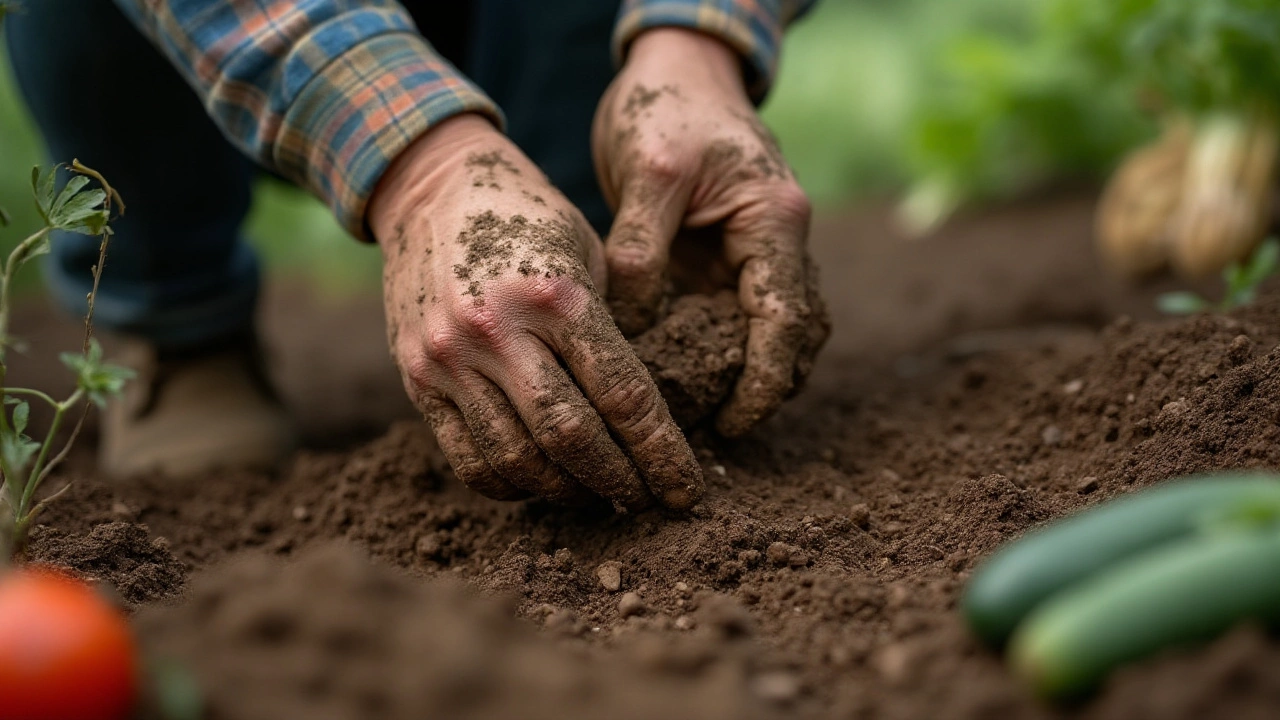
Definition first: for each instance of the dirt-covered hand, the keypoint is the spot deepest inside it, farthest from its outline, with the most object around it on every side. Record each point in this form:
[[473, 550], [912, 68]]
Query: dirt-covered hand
[[493, 316], [678, 145]]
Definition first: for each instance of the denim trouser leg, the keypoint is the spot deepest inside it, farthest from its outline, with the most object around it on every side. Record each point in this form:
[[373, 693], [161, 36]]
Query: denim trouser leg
[[178, 272]]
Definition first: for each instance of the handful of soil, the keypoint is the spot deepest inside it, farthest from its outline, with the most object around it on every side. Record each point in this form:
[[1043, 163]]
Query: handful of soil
[[696, 353]]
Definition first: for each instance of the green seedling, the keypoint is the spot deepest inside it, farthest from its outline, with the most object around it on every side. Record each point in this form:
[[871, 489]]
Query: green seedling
[[1242, 281], [26, 462]]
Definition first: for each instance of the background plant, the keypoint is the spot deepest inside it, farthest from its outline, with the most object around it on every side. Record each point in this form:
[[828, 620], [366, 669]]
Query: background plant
[[26, 462], [1242, 281]]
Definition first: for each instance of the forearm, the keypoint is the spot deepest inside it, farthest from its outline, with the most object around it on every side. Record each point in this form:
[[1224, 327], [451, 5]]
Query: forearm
[[753, 28], [324, 92]]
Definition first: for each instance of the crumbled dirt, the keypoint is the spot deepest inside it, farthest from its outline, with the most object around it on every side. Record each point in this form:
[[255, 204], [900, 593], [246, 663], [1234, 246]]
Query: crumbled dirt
[[333, 636], [696, 353], [977, 384], [120, 555]]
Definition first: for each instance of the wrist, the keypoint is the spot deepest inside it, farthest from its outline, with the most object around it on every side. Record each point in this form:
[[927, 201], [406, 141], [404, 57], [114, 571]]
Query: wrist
[[684, 52], [419, 173]]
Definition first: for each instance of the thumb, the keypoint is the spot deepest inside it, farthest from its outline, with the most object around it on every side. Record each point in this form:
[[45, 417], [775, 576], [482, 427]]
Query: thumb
[[638, 249]]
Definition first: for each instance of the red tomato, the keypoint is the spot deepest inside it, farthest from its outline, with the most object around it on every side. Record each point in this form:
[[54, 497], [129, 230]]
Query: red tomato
[[65, 653]]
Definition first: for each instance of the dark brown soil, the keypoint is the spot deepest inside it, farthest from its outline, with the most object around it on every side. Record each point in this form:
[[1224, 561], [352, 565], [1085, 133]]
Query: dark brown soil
[[696, 353], [333, 636], [978, 383]]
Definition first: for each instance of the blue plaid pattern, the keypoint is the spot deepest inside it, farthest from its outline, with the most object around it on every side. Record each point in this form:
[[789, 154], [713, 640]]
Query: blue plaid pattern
[[328, 92]]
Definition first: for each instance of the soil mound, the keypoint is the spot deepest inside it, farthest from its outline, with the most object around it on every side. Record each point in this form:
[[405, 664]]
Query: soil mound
[[330, 635], [121, 555]]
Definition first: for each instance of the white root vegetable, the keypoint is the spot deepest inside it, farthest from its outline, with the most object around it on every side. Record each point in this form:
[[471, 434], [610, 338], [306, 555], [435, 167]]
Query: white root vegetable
[[1135, 211], [1225, 206]]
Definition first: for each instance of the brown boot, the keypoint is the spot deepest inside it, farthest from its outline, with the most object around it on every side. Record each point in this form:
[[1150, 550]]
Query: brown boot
[[191, 413]]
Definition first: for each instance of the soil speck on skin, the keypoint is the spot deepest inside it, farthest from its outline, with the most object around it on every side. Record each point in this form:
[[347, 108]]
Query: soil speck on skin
[[641, 98], [539, 247]]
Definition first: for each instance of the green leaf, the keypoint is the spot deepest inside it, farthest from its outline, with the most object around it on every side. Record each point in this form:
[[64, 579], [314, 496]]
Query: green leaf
[[42, 187], [1263, 264], [18, 450], [86, 213], [99, 381], [1181, 303], [4, 218], [73, 186], [21, 414]]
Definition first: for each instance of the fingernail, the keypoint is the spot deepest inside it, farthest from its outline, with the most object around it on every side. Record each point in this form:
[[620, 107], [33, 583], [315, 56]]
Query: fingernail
[[682, 498]]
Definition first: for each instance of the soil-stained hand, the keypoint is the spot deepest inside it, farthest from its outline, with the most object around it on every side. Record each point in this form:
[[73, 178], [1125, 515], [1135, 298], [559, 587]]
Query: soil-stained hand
[[490, 284], [678, 145]]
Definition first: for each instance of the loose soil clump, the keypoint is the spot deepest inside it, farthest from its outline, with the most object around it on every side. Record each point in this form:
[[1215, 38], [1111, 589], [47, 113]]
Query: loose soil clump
[[696, 353], [992, 382]]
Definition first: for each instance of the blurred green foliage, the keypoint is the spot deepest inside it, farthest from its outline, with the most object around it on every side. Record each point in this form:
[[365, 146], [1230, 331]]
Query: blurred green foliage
[[872, 96]]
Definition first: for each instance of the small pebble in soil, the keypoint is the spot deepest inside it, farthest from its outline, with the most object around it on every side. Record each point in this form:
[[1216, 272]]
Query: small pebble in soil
[[428, 546], [1240, 350], [1051, 435], [631, 604], [719, 470], [1073, 387], [860, 515], [1087, 485], [780, 554], [684, 622], [301, 513], [610, 575], [682, 587], [776, 686]]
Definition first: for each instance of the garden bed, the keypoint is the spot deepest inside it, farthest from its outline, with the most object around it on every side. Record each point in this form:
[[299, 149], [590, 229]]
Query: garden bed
[[978, 383]]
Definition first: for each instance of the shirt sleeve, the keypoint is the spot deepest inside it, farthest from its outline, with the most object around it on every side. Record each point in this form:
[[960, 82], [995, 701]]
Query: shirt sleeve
[[324, 92], [752, 27]]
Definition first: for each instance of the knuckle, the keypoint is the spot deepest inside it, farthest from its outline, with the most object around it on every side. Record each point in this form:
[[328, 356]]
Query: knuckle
[[478, 321], [562, 429], [791, 203], [557, 294], [513, 460], [442, 344], [635, 260], [629, 400], [661, 166]]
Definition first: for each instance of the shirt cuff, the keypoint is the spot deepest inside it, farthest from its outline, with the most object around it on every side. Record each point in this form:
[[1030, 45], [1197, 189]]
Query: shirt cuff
[[360, 110], [751, 27]]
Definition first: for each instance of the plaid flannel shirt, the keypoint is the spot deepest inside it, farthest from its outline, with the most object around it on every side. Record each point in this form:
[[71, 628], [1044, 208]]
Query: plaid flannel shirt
[[328, 92]]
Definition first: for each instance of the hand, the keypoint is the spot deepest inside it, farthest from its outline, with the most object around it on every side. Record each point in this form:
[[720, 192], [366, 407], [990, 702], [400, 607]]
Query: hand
[[678, 145], [490, 280]]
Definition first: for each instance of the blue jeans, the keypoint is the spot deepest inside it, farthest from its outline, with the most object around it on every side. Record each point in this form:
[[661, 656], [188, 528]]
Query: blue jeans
[[180, 273]]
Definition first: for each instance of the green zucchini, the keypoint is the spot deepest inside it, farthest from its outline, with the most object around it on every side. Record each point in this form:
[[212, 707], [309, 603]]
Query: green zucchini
[[1180, 594], [1011, 583]]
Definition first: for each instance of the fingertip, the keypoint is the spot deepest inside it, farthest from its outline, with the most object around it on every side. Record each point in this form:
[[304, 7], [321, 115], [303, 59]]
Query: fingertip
[[683, 498]]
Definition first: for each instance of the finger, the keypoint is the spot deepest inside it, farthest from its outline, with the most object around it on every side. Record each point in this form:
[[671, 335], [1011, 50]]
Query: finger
[[463, 453], [817, 327], [569, 430], [637, 250], [626, 398], [772, 290], [508, 447]]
